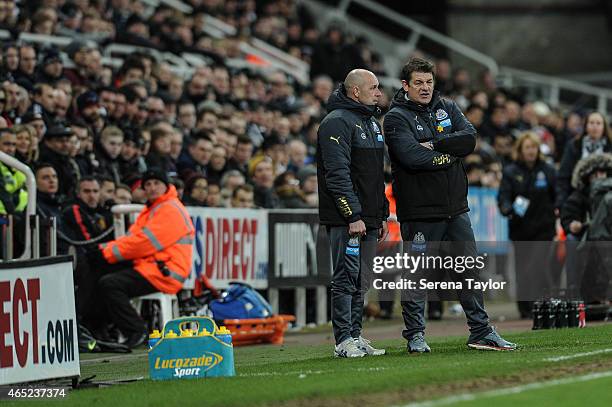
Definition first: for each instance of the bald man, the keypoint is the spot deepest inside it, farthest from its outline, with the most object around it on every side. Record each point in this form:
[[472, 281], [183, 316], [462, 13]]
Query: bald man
[[352, 202]]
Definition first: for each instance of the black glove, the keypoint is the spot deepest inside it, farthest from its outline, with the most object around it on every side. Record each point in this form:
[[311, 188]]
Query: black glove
[[94, 256]]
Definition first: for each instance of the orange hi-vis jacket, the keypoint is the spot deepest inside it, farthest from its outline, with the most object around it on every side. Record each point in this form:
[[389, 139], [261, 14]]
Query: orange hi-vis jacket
[[163, 232], [394, 226]]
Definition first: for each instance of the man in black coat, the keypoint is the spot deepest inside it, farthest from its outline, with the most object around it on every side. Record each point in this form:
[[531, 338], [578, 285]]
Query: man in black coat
[[334, 56], [86, 220], [54, 150], [352, 202], [427, 136], [48, 204]]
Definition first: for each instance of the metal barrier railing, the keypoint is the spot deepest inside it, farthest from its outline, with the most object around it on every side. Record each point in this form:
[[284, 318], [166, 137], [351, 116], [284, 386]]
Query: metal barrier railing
[[418, 30], [551, 86], [554, 85], [118, 218], [31, 205]]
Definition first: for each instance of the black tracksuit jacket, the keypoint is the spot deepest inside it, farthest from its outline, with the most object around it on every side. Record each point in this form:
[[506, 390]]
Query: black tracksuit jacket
[[350, 161], [428, 184]]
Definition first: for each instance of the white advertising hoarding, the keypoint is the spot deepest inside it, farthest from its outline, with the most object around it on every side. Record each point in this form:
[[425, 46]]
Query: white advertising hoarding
[[38, 325], [230, 245]]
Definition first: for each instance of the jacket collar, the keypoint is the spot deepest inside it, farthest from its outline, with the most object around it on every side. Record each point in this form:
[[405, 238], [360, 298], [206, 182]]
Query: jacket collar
[[339, 100]]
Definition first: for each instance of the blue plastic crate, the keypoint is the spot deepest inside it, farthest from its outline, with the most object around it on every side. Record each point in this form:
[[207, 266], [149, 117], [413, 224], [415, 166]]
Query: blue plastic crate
[[191, 357]]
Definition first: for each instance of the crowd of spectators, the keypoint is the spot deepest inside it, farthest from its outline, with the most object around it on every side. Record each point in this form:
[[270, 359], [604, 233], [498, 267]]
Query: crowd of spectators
[[228, 137]]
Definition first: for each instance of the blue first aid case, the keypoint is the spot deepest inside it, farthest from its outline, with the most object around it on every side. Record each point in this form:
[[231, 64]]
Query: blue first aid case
[[190, 348], [240, 301]]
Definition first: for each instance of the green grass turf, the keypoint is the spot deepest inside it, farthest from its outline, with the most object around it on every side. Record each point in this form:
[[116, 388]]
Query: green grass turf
[[595, 392], [308, 374]]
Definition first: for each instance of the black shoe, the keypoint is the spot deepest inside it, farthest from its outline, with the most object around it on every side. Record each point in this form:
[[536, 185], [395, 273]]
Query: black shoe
[[87, 343], [135, 340]]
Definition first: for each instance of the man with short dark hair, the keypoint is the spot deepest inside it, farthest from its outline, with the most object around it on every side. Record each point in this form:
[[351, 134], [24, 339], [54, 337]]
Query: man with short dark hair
[[243, 197], [123, 195], [44, 102], [242, 154], [48, 203], [197, 88], [176, 144], [132, 104], [85, 219], [207, 120], [131, 161], [352, 202], [186, 117], [195, 158], [51, 67], [107, 99], [427, 136], [155, 109], [25, 75], [55, 151], [107, 190], [62, 104], [132, 70]]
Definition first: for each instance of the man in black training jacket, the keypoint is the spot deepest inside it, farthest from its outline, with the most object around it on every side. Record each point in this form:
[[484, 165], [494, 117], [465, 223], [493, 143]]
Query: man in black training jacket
[[352, 202], [427, 136]]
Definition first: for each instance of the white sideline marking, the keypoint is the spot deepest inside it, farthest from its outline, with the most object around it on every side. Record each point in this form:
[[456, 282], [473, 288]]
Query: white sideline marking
[[120, 358], [303, 373], [510, 390], [577, 355]]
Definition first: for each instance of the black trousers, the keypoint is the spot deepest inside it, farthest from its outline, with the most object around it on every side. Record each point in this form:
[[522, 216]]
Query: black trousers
[[350, 281], [116, 289], [459, 231], [103, 295]]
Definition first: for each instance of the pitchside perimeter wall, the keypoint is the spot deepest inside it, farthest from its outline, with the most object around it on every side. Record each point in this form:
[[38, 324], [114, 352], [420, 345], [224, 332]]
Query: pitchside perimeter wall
[[287, 249]]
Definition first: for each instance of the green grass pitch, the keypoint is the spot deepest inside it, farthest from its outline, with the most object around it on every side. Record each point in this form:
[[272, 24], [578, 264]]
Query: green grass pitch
[[298, 375]]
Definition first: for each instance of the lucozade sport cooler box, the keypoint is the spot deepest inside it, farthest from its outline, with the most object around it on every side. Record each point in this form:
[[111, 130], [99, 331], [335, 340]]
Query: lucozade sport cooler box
[[191, 347]]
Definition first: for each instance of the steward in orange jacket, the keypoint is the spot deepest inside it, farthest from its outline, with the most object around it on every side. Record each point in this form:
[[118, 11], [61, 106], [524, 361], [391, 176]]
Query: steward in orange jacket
[[159, 243], [155, 255]]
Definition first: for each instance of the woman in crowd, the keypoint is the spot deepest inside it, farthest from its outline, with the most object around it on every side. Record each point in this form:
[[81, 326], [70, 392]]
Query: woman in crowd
[[527, 197], [596, 139], [27, 146], [196, 191]]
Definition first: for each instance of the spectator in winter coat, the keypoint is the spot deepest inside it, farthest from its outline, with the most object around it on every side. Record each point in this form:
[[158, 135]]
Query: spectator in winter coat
[[596, 139], [575, 213]]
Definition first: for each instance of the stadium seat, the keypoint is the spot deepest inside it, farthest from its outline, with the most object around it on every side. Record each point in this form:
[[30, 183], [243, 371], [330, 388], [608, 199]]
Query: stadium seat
[[168, 304]]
